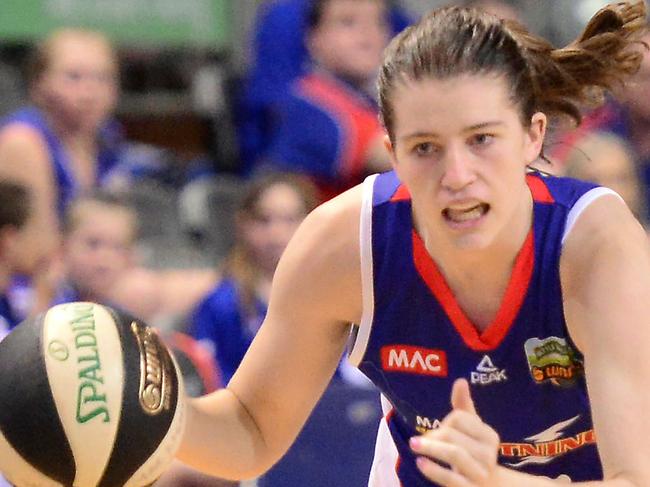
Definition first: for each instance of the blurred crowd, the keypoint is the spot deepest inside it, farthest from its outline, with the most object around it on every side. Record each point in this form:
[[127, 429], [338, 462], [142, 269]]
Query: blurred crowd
[[87, 214]]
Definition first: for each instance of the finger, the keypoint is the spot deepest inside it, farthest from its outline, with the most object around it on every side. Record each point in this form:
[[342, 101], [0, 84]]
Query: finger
[[461, 397], [471, 457], [469, 424], [440, 475], [459, 459]]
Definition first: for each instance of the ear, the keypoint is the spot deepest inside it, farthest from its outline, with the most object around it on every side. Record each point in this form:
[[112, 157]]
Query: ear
[[535, 137], [391, 151]]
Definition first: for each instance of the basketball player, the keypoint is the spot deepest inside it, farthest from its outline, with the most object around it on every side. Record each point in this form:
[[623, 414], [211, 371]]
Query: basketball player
[[487, 298]]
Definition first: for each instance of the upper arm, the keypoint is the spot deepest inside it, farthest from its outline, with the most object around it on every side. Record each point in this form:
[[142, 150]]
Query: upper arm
[[606, 284], [316, 294], [24, 156]]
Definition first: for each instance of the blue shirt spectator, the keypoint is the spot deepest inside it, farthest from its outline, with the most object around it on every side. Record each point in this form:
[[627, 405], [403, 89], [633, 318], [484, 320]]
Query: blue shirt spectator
[[279, 56], [66, 183], [221, 324]]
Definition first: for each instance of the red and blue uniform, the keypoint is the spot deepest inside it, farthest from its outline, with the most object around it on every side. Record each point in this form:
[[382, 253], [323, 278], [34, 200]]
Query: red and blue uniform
[[526, 374], [325, 130]]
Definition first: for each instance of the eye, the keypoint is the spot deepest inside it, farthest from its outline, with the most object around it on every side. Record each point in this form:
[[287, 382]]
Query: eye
[[424, 149], [481, 139]]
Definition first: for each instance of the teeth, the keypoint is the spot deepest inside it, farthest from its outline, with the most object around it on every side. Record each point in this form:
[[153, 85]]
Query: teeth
[[464, 215]]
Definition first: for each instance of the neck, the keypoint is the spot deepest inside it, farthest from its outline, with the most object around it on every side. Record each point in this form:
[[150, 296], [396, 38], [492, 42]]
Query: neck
[[73, 135], [639, 129]]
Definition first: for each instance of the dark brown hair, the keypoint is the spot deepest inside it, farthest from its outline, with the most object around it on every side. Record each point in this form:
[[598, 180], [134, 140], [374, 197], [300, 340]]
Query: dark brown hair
[[239, 264], [453, 41]]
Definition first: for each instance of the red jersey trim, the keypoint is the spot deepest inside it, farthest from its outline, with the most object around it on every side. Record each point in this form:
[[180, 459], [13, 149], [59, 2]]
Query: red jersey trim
[[538, 189], [401, 194], [513, 298]]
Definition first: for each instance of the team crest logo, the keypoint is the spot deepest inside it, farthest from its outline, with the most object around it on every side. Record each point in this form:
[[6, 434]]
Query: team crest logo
[[552, 359]]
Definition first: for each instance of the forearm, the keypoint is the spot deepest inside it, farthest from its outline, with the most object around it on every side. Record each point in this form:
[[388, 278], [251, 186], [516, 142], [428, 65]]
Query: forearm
[[511, 478], [222, 439]]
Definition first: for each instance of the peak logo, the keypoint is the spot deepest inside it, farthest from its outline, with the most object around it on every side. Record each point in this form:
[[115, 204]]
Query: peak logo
[[544, 447], [486, 373], [414, 360]]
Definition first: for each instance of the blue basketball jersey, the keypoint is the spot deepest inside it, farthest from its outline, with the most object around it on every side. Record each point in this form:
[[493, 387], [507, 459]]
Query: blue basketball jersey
[[525, 373], [67, 187]]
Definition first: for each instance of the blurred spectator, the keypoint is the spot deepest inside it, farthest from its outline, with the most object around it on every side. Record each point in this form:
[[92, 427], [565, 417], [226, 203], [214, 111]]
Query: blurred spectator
[[65, 143], [15, 256], [606, 159], [627, 116], [99, 264], [280, 55], [15, 208], [327, 125], [230, 315]]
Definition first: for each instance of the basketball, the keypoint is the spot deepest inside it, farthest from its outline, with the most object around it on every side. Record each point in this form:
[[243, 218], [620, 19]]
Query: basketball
[[89, 396]]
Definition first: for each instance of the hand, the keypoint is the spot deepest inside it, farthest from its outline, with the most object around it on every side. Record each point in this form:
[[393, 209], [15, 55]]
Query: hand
[[463, 442]]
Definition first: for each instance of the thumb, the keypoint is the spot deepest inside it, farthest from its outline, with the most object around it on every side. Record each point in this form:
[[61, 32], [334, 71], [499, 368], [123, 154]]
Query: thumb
[[461, 397]]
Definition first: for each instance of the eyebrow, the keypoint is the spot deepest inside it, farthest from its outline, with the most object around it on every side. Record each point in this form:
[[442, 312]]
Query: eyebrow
[[471, 128]]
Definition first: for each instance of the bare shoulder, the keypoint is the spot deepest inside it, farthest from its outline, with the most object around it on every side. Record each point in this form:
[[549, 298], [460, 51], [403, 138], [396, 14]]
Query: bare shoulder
[[605, 273], [606, 229], [21, 134], [322, 262], [22, 145]]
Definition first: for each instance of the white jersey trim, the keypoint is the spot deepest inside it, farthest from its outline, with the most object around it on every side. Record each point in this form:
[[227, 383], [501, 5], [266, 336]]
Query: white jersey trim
[[383, 472], [367, 278], [581, 205]]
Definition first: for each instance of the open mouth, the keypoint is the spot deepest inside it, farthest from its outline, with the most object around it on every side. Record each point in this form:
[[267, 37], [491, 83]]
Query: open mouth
[[467, 214]]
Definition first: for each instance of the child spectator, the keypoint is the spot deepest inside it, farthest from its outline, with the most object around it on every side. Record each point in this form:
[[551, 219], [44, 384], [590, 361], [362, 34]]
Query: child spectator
[[279, 56], [14, 255], [100, 264], [229, 316], [327, 126]]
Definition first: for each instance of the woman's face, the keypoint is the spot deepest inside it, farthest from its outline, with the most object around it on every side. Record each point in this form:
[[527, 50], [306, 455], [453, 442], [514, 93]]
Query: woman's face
[[462, 150], [80, 84], [267, 231]]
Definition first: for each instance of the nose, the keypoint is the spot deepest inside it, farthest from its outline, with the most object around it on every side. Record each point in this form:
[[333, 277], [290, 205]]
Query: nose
[[458, 171]]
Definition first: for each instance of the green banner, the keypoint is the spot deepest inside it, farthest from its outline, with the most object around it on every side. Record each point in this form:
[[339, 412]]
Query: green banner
[[202, 23]]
